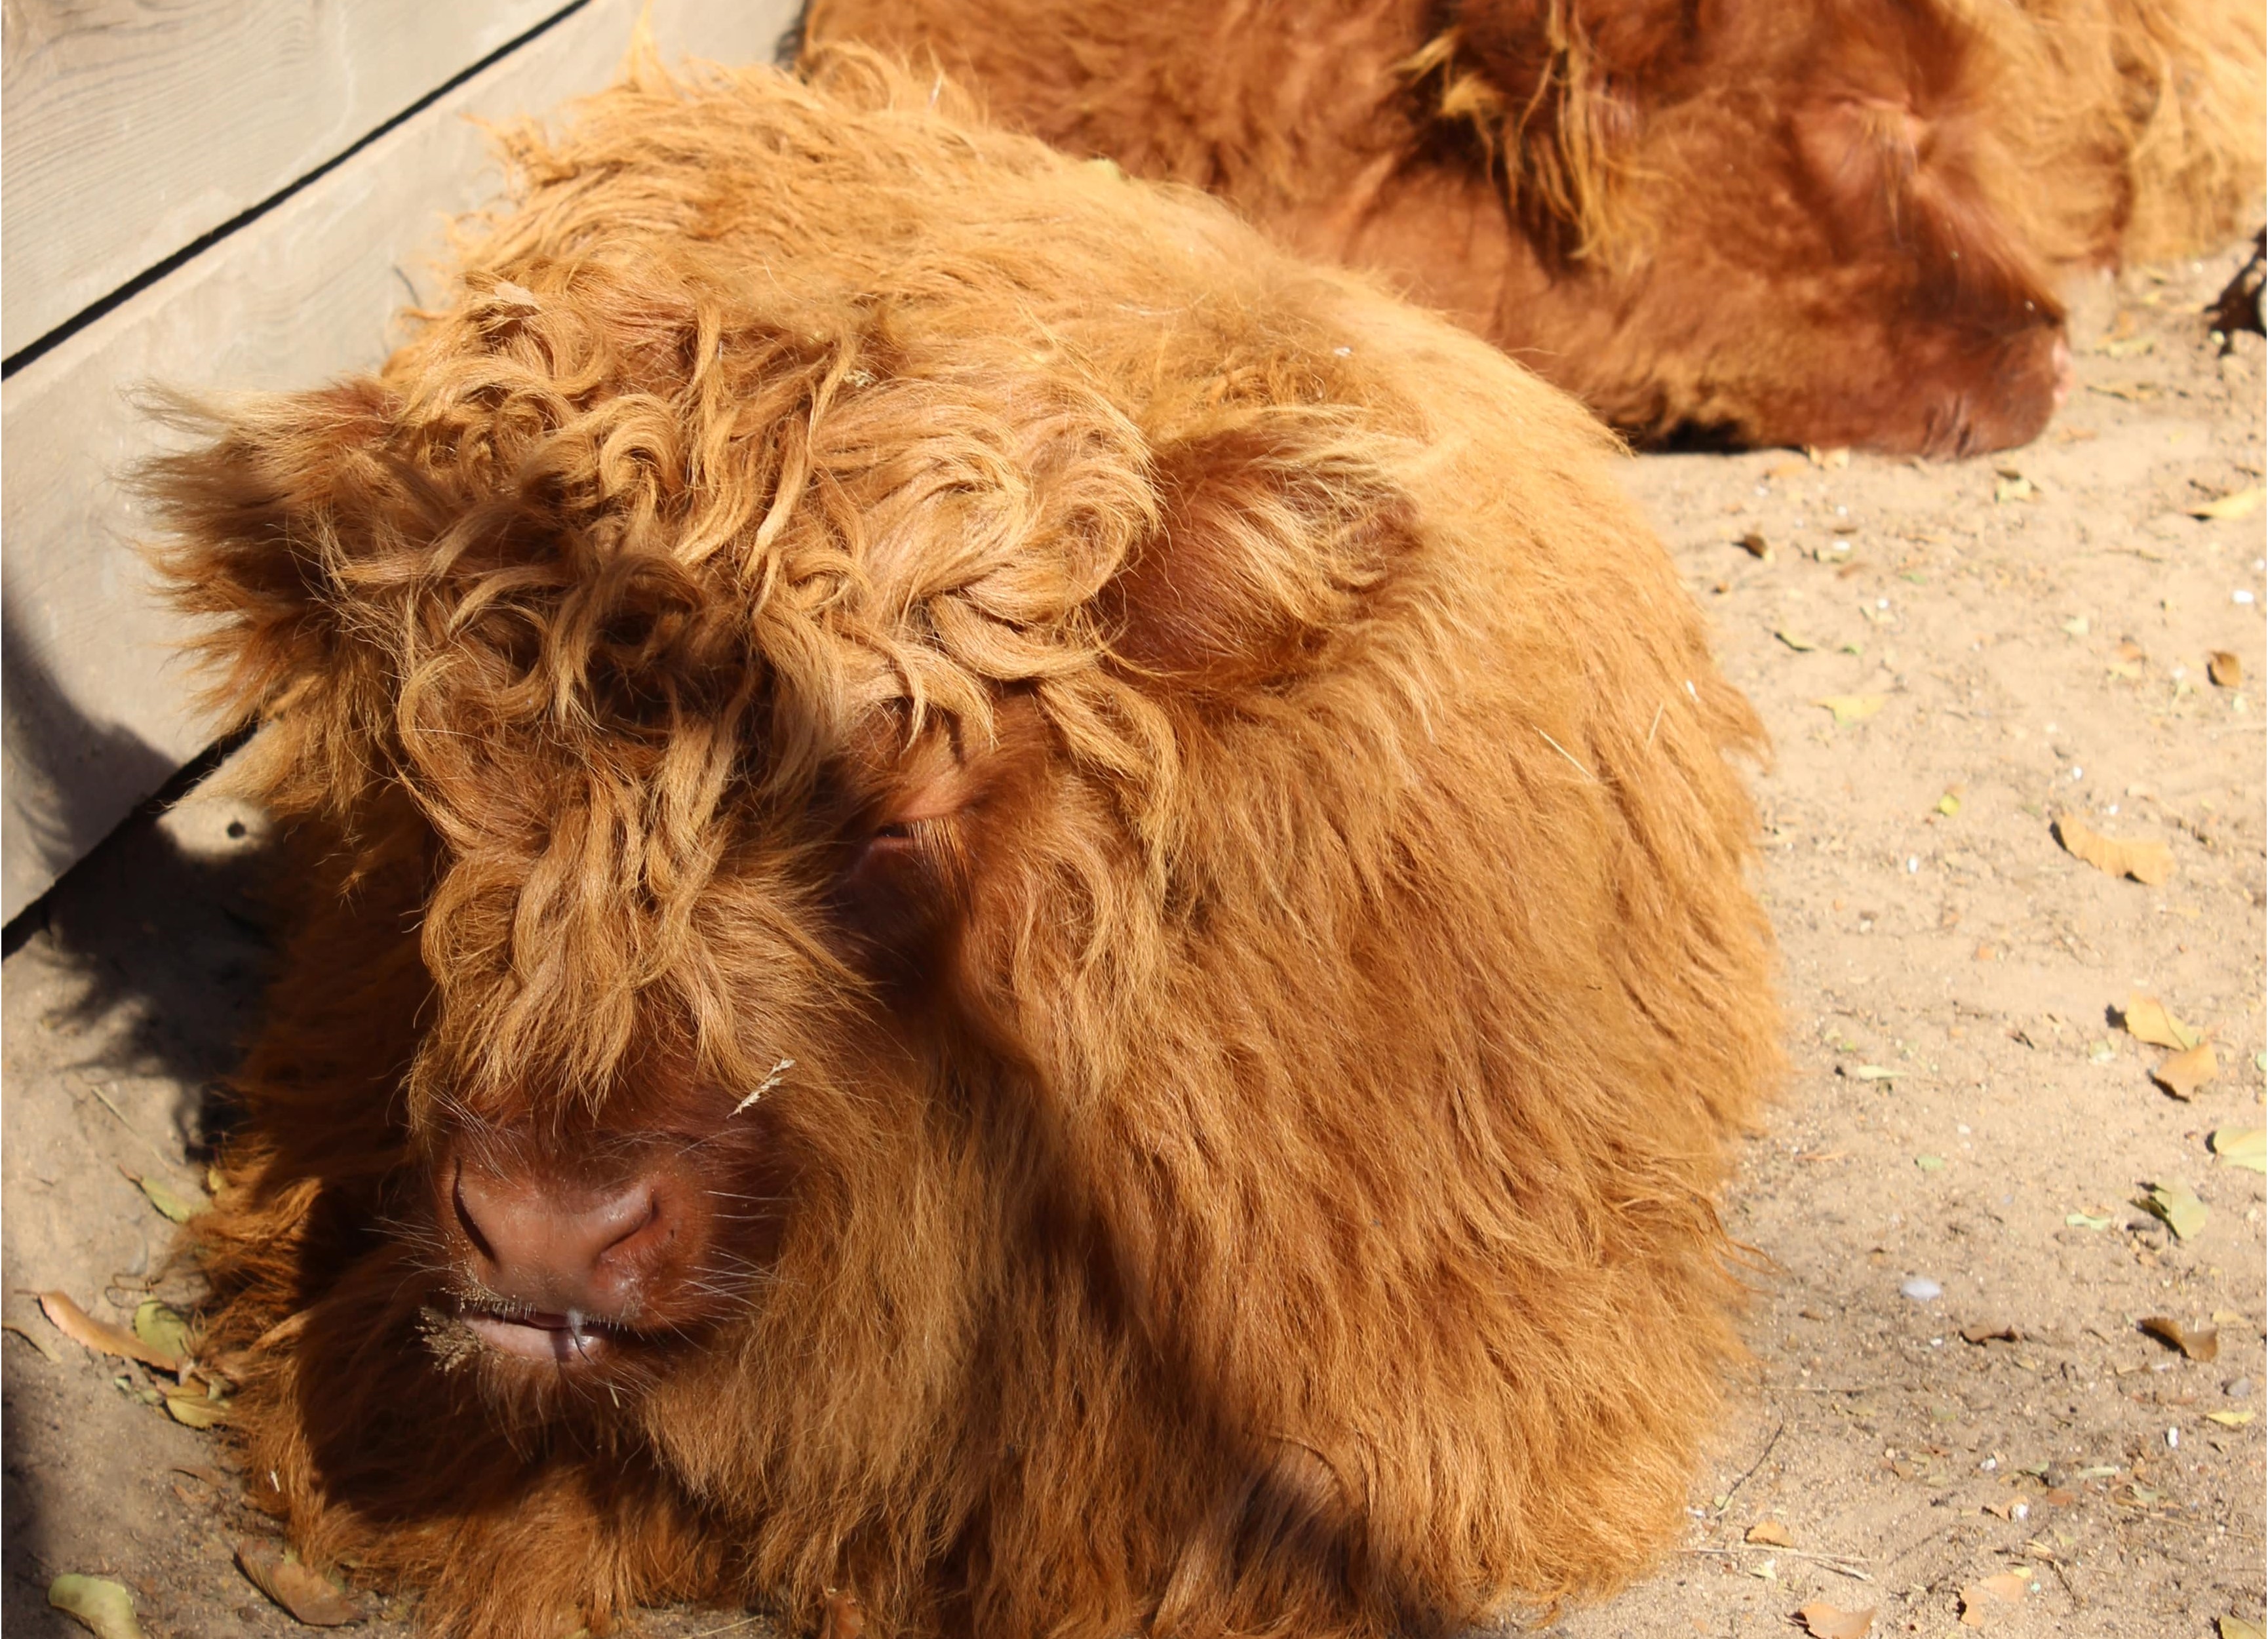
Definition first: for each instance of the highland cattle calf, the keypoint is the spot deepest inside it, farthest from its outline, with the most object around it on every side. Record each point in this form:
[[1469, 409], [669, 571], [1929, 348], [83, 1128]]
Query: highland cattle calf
[[1820, 222], [1020, 920]]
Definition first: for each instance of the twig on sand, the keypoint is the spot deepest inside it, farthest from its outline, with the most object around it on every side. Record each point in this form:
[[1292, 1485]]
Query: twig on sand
[[1840, 1564], [1750, 1472], [147, 1142]]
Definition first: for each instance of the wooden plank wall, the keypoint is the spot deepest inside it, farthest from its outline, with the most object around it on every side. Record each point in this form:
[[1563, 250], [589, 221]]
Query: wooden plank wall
[[96, 711]]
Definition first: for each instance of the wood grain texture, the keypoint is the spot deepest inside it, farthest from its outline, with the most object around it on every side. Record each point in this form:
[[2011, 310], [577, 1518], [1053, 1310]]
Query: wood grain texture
[[133, 127], [97, 710]]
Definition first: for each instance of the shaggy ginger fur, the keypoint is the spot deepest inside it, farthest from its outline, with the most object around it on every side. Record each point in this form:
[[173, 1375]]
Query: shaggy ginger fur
[[1196, 809], [1816, 222]]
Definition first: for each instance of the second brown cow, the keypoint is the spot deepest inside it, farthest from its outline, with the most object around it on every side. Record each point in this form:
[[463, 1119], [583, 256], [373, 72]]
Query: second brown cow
[[1833, 221]]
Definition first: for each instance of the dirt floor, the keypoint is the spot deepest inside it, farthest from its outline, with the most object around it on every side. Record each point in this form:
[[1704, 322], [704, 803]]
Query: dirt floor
[[2014, 640]]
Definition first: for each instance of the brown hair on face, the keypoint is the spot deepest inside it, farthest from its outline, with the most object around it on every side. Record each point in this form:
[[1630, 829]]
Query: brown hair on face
[[1011, 908]]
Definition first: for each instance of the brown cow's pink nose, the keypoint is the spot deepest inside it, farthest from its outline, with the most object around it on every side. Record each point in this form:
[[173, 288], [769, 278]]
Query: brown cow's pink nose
[[559, 1249]]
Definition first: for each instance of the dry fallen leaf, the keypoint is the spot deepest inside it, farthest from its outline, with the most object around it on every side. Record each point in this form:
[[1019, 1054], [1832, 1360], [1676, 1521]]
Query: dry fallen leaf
[[2229, 1420], [2185, 1072], [1769, 1533], [1992, 1332], [195, 1411], [2243, 1147], [1800, 644], [2225, 668], [1756, 546], [104, 1339], [162, 1327], [2007, 1588], [169, 1203], [2178, 1205], [2236, 503], [103, 1607], [1822, 1621], [307, 1595], [2150, 863], [2237, 1628], [1851, 708], [2149, 1020], [2012, 486], [2197, 1342]]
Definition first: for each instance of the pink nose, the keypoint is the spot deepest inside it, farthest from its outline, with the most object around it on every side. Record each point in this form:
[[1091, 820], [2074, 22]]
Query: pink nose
[[559, 1248]]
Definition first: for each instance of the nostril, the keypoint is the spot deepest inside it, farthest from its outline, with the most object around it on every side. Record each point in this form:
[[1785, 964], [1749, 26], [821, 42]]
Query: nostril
[[616, 1226]]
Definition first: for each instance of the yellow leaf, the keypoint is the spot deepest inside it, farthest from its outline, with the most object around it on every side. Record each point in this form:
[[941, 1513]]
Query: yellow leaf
[[2178, 1205], [2236, 503], [194, 1411], [2149, 1020], [1948, 805], [2225, 668], [2184, 1072], [2243, 1147], [1769, 1533], [2150, 863], [2229, 1420], [1851, 708], [161, 1328], [104, 1607]]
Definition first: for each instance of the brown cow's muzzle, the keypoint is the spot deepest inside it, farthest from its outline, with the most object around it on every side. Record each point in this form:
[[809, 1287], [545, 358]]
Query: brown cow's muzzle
[[558, 1268]]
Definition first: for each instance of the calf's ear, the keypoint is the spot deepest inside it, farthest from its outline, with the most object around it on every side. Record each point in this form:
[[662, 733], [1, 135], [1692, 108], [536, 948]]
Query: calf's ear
[[260, 516], [1266, 546], [1898, 144], [250, 514]]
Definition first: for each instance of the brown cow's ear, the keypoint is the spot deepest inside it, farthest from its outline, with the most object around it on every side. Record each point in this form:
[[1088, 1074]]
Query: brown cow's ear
[[1896, 144], [250, 514], [1553, 87], [254, 514], [1262, 552]]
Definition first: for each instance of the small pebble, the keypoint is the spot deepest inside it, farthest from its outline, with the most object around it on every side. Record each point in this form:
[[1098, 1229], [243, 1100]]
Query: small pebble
[[2238, 1388], [1922, 1289], [2173, 1439]]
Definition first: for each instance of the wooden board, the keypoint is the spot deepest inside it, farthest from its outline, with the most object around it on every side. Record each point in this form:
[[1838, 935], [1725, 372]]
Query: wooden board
[[132, 128], [97, 712]]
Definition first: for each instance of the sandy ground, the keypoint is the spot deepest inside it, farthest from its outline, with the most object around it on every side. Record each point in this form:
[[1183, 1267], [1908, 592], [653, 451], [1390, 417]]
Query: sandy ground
[[1964, 1107]]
